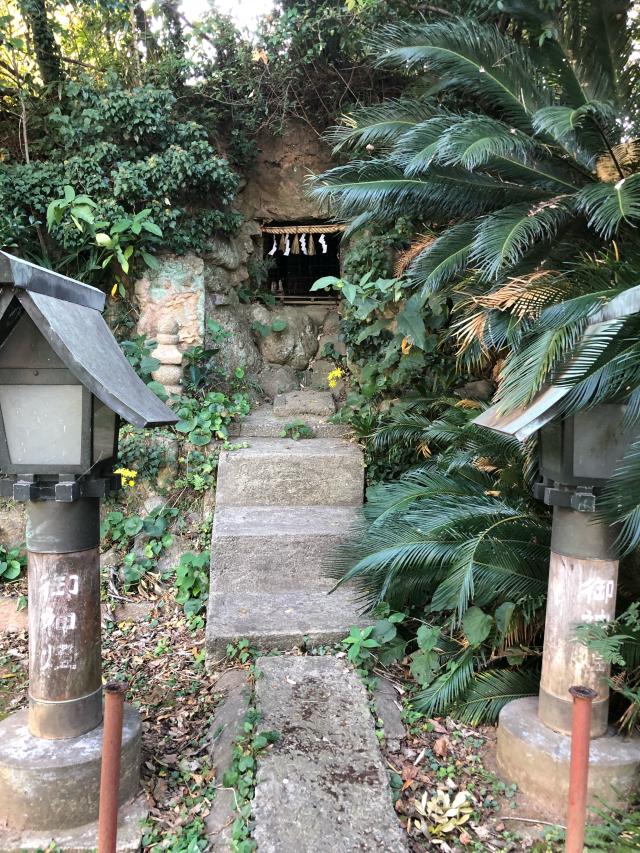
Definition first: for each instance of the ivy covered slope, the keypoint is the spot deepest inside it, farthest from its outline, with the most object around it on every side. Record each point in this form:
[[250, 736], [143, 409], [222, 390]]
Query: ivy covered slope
[[514, 160]]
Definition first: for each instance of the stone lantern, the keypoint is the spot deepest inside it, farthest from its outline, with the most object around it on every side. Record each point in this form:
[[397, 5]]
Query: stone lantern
[[64, 385], [578, 453]]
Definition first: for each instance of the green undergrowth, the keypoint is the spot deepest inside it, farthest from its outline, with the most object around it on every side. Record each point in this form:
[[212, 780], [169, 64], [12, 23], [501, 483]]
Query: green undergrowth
[[249, 744]]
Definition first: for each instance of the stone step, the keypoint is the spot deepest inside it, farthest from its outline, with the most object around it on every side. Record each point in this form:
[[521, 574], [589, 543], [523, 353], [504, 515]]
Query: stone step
[[275, 548], [264, 423], [323, 786], [284, 472], [302, 403], [280, 620]]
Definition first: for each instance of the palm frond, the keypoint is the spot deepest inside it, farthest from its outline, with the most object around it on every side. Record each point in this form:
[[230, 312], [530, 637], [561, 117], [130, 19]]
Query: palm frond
[[527, 371], [422, 242], [488, 692], [503, 237], [476, 139], [476, 59], [597, 36], [443, 260], [442, 694], [573, 128], [608, 205], [378, 185], [415, 149], [379, 125]]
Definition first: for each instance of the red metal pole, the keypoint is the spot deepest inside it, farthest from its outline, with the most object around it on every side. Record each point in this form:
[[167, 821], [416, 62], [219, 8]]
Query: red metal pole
[[579, 768], [110, 771]]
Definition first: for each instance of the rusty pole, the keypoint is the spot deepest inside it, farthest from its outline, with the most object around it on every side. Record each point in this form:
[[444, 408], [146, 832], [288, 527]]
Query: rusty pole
[[579, 769], [110, 772]]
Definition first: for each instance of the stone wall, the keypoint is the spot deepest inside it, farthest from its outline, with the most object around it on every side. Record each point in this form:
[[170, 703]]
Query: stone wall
[[194, 289]]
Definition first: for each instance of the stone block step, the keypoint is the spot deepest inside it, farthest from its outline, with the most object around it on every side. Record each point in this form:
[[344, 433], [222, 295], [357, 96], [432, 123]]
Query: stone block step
[[275, 548], [263, 422], [302, 403], [280, 620], [323, 786], [284, 472]]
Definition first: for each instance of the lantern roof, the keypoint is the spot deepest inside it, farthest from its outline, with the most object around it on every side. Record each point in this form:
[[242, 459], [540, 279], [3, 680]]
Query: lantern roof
[[68, 315], [547, 404]]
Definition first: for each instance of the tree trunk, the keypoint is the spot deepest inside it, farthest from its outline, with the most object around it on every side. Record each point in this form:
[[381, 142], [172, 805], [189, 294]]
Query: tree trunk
[[47, 51]]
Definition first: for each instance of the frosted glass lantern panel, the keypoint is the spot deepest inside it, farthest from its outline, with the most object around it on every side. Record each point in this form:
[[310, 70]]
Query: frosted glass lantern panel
[[104, 431], [42, 423]]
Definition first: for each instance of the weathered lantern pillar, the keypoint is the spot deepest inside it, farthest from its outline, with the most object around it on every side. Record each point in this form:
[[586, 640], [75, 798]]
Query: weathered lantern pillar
[[583, 577], [577, 455], [64, 384], [65, 668]]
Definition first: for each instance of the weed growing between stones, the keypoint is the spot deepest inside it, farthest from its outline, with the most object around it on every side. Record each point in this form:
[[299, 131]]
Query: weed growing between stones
[[241, 775], [296, 430]]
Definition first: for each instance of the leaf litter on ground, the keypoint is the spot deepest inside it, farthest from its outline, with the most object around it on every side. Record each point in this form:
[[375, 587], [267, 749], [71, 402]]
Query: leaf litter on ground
[[163, 663]]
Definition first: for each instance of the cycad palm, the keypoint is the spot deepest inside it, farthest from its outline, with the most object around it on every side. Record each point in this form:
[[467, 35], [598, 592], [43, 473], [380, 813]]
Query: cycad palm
[[455, 532], [532, 187]]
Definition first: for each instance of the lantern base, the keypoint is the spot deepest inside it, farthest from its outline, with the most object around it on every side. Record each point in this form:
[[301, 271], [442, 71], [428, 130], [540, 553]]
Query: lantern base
[[537, 758], [54, 785], [81, 839]]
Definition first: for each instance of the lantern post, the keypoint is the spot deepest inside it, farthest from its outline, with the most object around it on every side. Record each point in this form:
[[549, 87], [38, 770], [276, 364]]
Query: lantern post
[[64, 386], [578, 453]]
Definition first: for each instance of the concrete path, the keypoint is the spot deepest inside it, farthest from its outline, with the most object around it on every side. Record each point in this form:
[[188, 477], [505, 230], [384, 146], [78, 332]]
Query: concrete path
[[323, 787], [281, 506]]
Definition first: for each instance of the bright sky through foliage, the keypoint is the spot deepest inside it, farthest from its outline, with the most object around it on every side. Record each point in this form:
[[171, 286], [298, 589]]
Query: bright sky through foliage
[[245, 13]]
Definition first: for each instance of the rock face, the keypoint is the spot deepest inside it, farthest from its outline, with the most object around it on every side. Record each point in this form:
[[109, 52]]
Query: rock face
[[176, 290], [295, 345], [276, 188], [239, 349], [189, 291], [276, 379]]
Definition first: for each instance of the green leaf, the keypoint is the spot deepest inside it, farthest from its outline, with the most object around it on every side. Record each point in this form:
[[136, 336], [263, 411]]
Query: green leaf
[[152, 228], [83, 212], [476, 625], [349, 291], [103, 239], [12, 571], [261, 328], [424, 666], [158, 389], [325, 282], [427, 637], [410, 322], [132, 525], [154, 525], [392, 652], [384, 631], [279, 325], [503, 616], [200, 437], [608, 205], [150, 260]]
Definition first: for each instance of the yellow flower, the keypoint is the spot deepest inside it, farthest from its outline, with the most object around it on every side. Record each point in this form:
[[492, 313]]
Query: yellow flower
[[114, 289], [333, 376], [406, 346], [127, 476]]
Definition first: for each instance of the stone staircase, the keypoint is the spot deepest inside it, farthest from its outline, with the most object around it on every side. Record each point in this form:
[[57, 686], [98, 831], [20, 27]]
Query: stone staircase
[[281, 506]]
